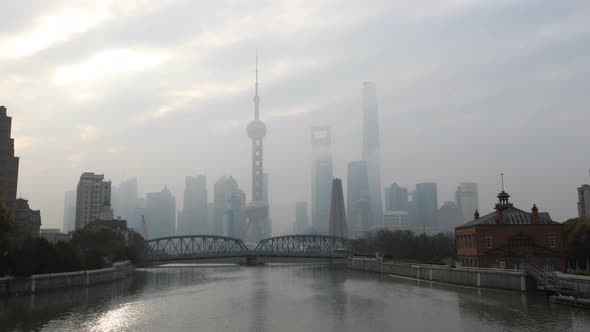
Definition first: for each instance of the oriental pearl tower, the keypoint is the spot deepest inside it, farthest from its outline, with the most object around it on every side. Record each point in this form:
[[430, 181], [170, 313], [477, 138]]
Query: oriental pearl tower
[[257, 209]]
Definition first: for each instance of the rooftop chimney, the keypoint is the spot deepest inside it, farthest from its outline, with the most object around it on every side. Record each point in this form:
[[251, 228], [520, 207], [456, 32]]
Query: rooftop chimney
[[535, 215], [476, 215]]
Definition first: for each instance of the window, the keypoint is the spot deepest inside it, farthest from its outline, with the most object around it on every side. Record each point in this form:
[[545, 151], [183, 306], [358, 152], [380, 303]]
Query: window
[[551, 240], [488, 240]]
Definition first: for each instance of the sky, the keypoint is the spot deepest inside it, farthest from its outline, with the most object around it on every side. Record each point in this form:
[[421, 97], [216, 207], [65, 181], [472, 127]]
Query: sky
[[163, 89]]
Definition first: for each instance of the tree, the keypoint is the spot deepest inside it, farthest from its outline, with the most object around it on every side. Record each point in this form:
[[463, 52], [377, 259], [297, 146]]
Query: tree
[[99, 246], [577, 242]]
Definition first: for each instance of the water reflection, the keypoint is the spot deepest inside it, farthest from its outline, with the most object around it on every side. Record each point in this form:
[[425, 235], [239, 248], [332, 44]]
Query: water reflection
[[283, 298]]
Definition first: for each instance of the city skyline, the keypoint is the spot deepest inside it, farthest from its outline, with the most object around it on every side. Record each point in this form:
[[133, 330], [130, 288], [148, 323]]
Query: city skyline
[[180, 95]]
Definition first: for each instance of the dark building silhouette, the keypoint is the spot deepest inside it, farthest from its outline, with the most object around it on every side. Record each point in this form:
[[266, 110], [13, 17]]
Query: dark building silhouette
[[338, 225], [8, 162], [358, 207], [371, 152], [28, 218]]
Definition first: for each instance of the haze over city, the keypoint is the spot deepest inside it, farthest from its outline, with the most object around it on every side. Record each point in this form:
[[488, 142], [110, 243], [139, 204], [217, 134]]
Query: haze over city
[[158, 90]]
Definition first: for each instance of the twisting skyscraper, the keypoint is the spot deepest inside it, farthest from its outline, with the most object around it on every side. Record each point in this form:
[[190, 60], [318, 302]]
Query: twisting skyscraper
[[371, 149], [257, 209]]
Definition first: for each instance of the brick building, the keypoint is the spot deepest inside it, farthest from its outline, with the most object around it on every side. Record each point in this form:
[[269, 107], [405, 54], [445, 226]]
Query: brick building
[[509, 238]]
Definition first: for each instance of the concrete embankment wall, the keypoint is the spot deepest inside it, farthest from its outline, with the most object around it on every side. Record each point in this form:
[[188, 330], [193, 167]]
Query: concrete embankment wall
[[578, 283], [39, 282], [484, 278]]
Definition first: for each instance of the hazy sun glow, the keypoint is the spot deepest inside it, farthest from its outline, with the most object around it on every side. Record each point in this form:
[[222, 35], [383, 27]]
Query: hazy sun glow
[[107, 63], [51, 29]]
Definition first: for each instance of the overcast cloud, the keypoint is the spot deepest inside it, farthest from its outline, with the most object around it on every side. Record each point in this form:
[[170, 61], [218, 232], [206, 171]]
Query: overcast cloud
[[163, 89]]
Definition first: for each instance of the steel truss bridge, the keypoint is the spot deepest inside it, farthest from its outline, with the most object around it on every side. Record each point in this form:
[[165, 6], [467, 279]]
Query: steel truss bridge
[[212, 248]]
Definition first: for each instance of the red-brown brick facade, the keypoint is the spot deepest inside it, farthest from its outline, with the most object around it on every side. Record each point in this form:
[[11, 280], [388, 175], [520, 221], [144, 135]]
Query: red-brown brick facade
[[509, 238]]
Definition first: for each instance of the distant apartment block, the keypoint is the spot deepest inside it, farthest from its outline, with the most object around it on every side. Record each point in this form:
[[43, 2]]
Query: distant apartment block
[[91, 194]]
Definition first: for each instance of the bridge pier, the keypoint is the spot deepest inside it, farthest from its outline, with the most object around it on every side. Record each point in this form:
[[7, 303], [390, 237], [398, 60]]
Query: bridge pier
[[253, 261]]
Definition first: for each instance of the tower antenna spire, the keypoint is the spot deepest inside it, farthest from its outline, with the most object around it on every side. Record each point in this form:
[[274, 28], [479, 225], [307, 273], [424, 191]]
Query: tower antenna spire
[[502, 176], [256, 98]]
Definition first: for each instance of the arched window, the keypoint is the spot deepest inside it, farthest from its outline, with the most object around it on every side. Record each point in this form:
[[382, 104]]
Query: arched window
[[488, 240], [551, 240]]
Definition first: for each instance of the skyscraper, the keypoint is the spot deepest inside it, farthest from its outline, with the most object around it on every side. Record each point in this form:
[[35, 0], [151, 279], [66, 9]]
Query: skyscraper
[[584, 201], [467, 200], [426, 204], [338, 225], [358, 207], [257, 210], [223, 189], [321, 178], [371, 149], [301, 218], [91, 194], [194, 214], [449, 217], [234, 222], [160, 213], [125, 202], [69, 211], [396, 198], [8, 163]]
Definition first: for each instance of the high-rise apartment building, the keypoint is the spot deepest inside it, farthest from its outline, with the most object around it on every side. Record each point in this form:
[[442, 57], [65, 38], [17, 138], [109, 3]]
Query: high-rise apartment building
[[69, 211], [194, 214], [338, 225], [467, 200], [396, 198], [371, 152], [8, 163], [160, 213], [91, 194], [301, 218], [426, 205], [358, 207], [584, 201], [321, 178]]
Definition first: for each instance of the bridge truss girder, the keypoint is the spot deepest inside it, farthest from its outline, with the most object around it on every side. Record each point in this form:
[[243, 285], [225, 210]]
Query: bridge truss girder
[[198, 246], [304, 246]]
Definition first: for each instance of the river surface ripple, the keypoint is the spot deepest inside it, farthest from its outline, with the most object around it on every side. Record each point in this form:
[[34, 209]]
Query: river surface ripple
[[283, 298]]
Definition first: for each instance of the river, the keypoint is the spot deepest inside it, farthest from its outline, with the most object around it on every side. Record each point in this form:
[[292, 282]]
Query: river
[[283, 298]]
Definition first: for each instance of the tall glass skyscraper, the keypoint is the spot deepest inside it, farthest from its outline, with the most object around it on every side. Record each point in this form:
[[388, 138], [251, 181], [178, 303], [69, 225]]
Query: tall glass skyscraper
[[371, 149], [321, 178]]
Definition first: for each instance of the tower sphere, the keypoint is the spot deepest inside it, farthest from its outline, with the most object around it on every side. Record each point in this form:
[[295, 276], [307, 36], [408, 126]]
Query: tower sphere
[[256, 129]]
